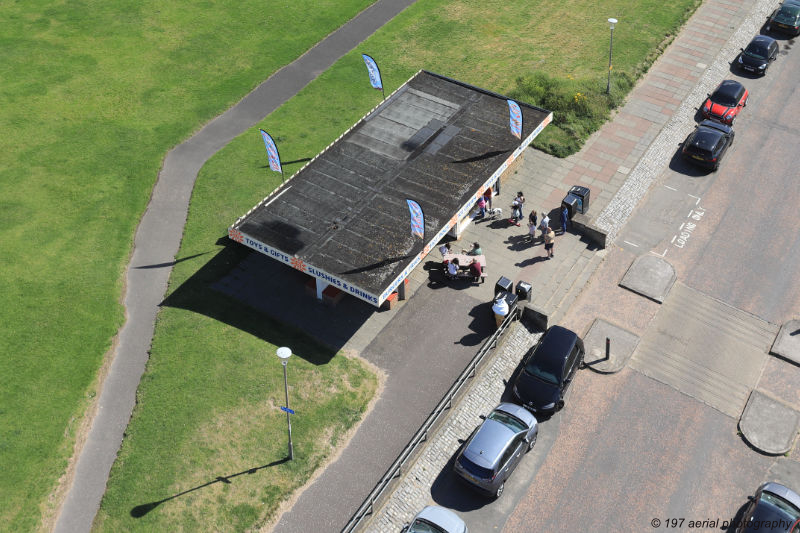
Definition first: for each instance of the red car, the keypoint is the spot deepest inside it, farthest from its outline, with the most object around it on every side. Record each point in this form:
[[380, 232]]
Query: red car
[[725, 103]]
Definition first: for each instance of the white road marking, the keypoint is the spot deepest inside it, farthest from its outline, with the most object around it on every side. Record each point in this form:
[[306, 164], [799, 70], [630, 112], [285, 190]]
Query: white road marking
[[695, 197], [670, 188], [660, 255], [628, 242]]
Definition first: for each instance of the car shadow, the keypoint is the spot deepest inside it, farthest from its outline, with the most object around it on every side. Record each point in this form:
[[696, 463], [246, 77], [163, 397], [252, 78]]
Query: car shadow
[[449, 491], [678, 163]]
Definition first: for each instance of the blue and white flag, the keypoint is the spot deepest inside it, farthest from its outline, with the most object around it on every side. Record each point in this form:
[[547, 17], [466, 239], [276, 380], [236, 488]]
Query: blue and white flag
[[417, 220], [374, 72], [515, 119], [272, 152]]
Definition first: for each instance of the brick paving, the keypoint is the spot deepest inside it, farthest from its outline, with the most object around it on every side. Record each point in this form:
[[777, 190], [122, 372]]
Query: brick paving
[[619, 164]]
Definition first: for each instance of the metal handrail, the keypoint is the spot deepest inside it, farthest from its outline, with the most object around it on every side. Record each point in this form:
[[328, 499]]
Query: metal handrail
[[422, 434]]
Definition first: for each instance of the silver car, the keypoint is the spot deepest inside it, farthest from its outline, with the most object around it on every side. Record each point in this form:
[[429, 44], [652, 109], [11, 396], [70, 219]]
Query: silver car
[[496, 447], [435, 519]]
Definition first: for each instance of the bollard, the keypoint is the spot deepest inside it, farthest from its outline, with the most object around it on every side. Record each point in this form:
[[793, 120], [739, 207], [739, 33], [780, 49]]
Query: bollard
[[608, 349]]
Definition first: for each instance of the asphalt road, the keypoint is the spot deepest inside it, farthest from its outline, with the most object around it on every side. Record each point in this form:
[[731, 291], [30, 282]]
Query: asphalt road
[[744, 246], [633, 451]]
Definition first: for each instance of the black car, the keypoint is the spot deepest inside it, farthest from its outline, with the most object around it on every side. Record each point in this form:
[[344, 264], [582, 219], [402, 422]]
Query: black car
[[761, 51], [706, 145], [547, 370], [785, 19], [772, 505]]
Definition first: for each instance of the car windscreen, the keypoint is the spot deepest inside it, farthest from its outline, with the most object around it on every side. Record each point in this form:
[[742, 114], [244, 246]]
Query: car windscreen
[[756, 51], [790, 511], [515, 424], [423, 526], [548, 375], [477, 471]]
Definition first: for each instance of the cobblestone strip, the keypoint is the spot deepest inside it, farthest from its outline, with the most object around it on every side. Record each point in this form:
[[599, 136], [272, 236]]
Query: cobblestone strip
[[657, 157], [413, 491]]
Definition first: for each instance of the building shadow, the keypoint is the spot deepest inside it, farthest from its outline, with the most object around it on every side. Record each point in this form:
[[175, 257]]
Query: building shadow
[[269, 300], [141, 510]]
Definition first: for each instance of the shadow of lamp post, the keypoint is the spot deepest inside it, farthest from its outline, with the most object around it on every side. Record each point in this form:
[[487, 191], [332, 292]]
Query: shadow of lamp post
[[611, 22], [284, 354]]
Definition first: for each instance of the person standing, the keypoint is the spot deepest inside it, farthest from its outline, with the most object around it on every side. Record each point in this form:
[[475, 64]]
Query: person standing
[[520, 206], [564, 219], [533, 223], [487, 197], [482, 206], [545, 224], [549, 242]]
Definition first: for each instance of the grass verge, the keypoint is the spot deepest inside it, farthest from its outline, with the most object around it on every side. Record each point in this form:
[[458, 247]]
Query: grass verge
[[93, 95]]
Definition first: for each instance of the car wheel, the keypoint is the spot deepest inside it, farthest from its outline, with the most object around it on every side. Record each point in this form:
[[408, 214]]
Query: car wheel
[[532, 441], [560, 405], [499, 491]]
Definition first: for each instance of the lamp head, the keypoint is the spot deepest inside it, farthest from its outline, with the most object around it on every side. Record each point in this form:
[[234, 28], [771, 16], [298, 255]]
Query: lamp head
[[612, 22], [284, 354]]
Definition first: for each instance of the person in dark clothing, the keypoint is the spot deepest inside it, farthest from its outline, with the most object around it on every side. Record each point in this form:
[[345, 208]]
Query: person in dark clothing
[[475, 270], [564, 219]]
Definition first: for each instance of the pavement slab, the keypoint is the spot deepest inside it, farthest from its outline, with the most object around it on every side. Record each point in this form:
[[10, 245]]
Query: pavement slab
[[621, 345], [768, 424], [787, 343], [650, 276]]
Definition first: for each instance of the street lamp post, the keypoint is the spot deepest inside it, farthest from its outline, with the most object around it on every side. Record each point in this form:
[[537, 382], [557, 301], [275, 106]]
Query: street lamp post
[[284, 353], [611, 22]]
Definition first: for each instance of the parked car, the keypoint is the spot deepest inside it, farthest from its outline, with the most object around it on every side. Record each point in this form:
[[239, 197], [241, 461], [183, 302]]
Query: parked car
[[772, 504], [548, 369], [706, 145], [761, 51], [495, 448], [725, 102], [435, 519], [785, 19]]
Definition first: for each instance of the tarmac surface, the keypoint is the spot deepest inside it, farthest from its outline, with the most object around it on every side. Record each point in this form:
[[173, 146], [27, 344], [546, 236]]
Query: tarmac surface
[[424, 343]]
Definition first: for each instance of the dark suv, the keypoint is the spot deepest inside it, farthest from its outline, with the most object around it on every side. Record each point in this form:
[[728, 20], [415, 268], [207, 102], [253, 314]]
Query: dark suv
[[548, 369]]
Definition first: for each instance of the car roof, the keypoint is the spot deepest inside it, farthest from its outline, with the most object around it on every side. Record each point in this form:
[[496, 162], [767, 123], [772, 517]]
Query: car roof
[[441, 517], [488, 443], [766, 39], [731, 89], [551, 353]]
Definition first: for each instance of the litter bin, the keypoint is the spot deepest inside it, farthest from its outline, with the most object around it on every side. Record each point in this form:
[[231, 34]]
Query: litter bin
[[582, 193], [524, 290], [510, 300], [503, 284]]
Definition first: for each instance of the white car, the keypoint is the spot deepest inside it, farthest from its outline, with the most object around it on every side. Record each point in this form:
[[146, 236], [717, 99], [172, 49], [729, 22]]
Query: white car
[[434, 519]]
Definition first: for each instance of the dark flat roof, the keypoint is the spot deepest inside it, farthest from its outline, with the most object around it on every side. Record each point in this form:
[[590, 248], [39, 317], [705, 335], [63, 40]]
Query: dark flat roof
[[343, 217]]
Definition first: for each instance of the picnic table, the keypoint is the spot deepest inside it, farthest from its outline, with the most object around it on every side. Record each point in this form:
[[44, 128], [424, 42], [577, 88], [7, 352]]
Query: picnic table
[[464, 261]]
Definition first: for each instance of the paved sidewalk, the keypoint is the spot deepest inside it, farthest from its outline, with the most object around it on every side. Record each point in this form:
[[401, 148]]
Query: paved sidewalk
[[619, 164]]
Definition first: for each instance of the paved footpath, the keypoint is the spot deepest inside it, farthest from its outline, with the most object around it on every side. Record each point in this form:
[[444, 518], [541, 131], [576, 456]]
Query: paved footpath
[[157, 241]]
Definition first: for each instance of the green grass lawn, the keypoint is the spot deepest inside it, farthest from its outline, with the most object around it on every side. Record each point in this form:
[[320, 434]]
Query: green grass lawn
[[93, 95], [171, 445]]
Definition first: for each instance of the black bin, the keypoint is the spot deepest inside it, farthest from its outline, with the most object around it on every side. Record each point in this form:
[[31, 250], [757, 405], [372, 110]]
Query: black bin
[[524, 290], [503, 284], [582, 193]]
